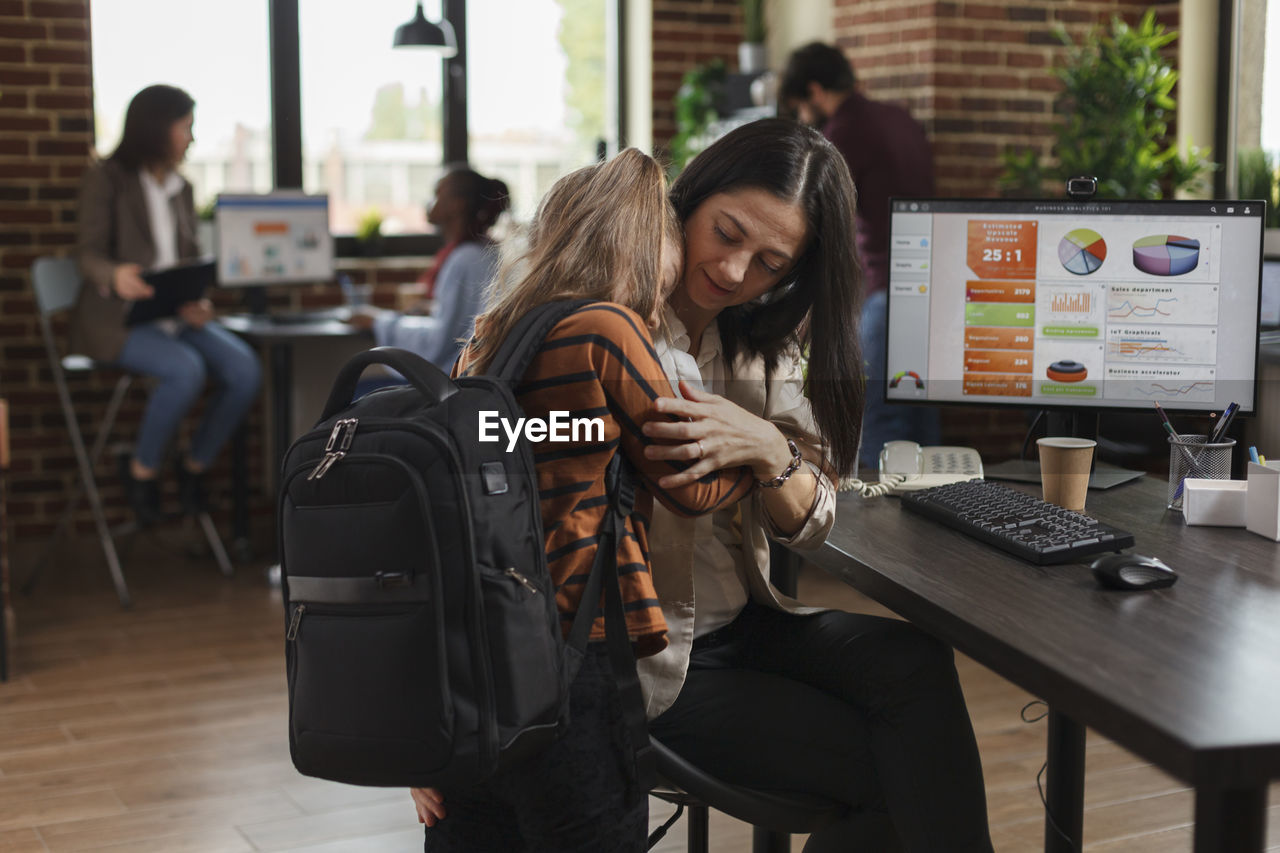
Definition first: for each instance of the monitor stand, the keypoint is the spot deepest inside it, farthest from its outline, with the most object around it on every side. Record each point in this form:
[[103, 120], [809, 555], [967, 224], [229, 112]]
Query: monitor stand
[[1080, 425]]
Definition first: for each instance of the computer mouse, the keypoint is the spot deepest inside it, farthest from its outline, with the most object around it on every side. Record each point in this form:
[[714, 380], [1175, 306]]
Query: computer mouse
[[1132, 571]]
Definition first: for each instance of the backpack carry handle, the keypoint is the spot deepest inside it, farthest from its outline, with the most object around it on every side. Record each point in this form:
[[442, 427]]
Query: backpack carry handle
[[430, 380]]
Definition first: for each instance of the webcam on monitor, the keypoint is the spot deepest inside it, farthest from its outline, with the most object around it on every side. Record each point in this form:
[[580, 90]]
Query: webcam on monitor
[[1082, 187]]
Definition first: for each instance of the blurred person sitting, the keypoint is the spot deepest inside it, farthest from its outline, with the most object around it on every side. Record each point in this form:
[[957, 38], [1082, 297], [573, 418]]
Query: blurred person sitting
[[888, 155], [137, 213], [465, 207]]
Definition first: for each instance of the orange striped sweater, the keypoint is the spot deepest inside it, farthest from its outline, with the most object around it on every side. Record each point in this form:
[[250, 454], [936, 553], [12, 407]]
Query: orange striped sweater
[[599, 363]]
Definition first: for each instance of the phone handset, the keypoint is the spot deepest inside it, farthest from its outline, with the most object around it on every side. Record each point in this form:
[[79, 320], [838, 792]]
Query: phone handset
[[906, 466]]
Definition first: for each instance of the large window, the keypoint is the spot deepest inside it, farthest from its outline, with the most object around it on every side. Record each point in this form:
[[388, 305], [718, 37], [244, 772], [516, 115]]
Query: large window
[[224, 67], [539, 98], [541, 95], [541, 90]]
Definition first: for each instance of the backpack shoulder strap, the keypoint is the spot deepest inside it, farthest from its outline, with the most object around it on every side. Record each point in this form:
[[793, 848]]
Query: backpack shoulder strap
[[620, 481], [521, 345]]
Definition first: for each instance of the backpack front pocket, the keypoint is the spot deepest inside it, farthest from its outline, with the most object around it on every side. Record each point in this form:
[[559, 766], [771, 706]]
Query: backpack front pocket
[[369, 699]]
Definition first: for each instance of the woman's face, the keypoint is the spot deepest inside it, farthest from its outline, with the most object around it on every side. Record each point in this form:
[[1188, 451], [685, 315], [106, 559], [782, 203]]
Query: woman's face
[[180, 139], [739, 244], [447, 204]]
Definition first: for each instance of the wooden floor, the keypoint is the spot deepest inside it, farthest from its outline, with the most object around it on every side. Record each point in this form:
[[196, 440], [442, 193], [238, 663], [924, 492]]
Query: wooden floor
[[162, 728]]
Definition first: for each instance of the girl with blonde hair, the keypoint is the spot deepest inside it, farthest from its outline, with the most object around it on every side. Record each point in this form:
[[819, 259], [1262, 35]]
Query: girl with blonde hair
[[607, 234]]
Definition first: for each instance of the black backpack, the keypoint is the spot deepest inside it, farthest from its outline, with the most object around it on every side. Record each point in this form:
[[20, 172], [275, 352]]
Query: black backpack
[[423, 644]]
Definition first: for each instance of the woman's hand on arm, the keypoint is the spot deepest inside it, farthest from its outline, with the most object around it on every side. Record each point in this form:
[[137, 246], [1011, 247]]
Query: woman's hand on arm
[[718, 433], [127, 282], [713, 433], [430, 805]]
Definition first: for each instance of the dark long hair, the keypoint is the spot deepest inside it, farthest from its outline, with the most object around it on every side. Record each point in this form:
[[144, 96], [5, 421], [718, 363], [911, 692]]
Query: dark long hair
[[151, 113], [485, 199], [796, 164]]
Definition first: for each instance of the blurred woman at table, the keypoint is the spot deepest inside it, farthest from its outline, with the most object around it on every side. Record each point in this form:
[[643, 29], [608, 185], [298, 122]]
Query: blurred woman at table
[[136, 213], [465, 208]]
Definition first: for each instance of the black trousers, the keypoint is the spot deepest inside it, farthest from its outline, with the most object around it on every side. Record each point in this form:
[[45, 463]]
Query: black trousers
[[860, 709], [579, 795]]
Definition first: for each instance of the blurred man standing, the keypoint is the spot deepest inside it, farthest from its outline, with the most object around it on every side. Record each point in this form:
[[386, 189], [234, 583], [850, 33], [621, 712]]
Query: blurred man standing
[[888, 155]]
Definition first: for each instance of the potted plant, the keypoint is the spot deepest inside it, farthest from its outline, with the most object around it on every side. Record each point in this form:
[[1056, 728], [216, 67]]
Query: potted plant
[[1258, 177], [752, 58], [206, 232], [369, 232], [1118, 91], [698, 104]]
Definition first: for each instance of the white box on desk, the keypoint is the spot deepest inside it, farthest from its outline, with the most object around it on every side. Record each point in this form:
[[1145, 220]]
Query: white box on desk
[[1262, 515], [1215, 503]]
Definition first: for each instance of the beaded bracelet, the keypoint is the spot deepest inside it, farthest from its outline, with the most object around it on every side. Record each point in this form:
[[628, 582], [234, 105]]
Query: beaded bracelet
[[792, 467]]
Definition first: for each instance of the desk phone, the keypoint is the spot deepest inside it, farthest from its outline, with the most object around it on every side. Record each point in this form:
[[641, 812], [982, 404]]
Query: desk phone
[[906, 466]]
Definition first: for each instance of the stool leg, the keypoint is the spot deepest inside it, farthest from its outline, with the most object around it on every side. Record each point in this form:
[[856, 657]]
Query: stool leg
[[90, 487], [215, 544], [699, 829]]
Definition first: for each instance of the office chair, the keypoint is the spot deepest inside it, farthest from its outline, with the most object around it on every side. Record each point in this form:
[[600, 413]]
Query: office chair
[[56, 283], [775, 815]]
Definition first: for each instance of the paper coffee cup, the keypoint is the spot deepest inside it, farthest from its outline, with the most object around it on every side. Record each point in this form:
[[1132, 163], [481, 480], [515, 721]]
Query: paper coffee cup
[[1064, 469]]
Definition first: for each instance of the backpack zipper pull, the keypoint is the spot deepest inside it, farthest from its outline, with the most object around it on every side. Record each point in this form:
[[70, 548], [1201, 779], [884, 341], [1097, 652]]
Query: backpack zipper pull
[[524, 581], [339, 438], [292, 633]]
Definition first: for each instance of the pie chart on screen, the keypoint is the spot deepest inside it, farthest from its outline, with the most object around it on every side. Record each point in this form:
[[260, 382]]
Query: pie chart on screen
[[1082, 251], [1166, 254]]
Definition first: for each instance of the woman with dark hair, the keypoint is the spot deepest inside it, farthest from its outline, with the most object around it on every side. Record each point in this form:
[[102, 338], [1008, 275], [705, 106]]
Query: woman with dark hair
[[465, 207], [761, 334], [136, 213]]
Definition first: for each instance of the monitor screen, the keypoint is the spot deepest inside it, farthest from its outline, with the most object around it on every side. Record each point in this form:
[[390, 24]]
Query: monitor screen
[[280, 237], [1099, 304]]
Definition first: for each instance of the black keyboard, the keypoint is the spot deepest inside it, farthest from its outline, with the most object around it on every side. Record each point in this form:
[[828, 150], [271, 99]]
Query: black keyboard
[[1016, 522]]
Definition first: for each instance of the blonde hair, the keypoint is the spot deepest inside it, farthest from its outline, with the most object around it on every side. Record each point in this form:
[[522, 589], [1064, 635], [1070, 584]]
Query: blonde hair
[[598, 234]]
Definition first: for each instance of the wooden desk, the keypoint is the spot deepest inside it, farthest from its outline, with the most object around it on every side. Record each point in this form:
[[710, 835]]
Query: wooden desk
[[1187, 677]]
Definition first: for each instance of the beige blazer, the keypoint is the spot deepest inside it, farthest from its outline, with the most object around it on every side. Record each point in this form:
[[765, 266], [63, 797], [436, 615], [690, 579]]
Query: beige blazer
[[114, 229], [782, 401]]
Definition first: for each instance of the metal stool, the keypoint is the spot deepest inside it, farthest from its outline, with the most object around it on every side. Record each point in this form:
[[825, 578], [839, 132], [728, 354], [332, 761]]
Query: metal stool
[[57, 283], [774, 815]]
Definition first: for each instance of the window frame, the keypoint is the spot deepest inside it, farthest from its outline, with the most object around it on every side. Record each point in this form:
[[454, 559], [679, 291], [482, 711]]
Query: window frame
[[284, 47]]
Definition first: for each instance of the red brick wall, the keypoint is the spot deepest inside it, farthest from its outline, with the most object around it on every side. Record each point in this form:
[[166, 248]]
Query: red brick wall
[[688, 33], [46, 134]]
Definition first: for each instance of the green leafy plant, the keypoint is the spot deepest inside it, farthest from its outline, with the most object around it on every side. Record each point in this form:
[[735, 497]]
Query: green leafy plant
[[1117, 89], [369, 228], [753, 29], [697, 104], [207, 211], [1258, 178]]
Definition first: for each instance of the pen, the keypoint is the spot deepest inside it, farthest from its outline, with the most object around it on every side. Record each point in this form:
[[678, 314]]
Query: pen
[[1220, 428], [1192, 467]]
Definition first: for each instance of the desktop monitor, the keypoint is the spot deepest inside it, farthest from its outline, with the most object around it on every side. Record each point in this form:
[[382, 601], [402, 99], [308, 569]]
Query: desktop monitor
[[280, 237], [1074, 304]]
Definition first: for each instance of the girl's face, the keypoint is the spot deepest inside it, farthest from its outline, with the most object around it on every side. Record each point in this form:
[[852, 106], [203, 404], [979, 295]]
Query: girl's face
[[739, 244], [180, 139]]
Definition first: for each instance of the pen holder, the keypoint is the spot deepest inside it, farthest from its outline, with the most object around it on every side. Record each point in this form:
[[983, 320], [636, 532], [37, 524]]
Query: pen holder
[[1262, 503], [1190, 456]]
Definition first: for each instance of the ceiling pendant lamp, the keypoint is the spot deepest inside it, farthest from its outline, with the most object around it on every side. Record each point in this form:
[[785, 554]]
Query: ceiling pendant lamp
[[424, 34]]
